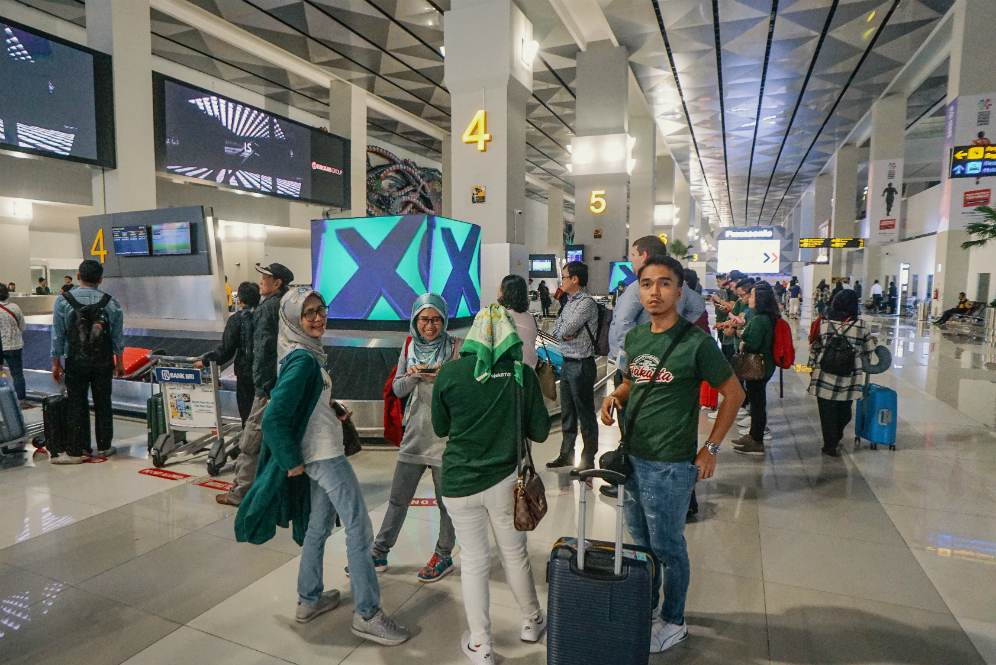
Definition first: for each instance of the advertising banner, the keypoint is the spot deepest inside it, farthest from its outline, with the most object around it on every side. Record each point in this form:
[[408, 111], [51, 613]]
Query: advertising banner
[[189, 405], [885, 194]]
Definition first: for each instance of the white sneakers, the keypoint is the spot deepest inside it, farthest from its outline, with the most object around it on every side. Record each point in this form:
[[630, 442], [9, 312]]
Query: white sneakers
[[744, 422], [480, 654], [663, 636], [533, 628]]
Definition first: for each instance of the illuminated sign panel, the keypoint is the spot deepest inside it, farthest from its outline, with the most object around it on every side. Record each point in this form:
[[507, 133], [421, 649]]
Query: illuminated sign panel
[[749, 256], [757, 233], [830, 243], [843, 243], [813, 243], [973, 161]]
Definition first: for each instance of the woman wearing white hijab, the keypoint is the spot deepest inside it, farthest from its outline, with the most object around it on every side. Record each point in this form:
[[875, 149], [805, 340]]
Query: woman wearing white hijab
[[303, 435]]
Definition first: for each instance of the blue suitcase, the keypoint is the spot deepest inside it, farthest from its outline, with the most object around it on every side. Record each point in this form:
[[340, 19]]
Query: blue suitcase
[[875, 417], [11, 419], [551, 354]]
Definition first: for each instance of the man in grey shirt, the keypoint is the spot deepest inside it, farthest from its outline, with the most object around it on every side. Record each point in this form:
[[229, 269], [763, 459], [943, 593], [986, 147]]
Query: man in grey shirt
[[574, 329]]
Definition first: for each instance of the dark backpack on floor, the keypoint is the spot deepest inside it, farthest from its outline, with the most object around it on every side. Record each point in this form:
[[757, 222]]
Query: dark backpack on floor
[[89, 332], [838, 353]]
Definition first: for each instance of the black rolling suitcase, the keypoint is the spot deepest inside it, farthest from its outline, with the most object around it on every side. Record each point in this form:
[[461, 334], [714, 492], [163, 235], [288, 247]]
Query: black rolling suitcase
[[600, 594], [55, 412]]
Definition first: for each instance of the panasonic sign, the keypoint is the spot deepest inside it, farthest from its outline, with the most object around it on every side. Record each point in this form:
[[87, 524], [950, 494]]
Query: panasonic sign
[[177, 375], [748, 234]]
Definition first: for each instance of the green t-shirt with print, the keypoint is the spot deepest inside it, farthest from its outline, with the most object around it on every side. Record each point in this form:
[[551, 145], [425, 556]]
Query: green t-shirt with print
[[667, 424]]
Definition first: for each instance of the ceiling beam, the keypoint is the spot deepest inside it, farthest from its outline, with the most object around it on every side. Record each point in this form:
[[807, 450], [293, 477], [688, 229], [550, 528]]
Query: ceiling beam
[[585, 21]]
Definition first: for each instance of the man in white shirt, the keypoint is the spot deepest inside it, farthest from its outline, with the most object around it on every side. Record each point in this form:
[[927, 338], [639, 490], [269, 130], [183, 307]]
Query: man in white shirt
[[876, 293]]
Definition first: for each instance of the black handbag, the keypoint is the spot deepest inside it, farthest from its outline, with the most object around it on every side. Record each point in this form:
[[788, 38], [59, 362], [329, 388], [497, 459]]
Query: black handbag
[[350, 437], [618, 460]]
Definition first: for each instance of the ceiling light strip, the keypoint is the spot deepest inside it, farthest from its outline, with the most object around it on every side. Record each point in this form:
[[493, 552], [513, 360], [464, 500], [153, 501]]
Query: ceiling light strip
[[402, 136], [930, 109], [864, 56], [553, 113], [760, 103], [722, 106], [555, 141], [557, 76], [406, 29], [798, 102], [684, 106]]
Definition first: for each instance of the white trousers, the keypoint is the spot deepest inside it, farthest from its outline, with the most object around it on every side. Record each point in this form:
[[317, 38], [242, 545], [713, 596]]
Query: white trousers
[[794, 306], [471, 516]]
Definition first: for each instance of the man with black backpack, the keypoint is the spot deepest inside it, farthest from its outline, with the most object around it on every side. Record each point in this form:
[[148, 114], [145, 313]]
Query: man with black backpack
[[87, 328]]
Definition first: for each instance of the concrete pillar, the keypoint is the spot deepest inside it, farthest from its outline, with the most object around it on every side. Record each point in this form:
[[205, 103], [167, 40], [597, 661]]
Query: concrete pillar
[[844, 196], [348, 119], [642, 196], [121, 28], [448, 177], [15, 254], [599, 158], [485, 71], [555, 221], [682, 207], [971, 89], [663, 195], [885, 169]]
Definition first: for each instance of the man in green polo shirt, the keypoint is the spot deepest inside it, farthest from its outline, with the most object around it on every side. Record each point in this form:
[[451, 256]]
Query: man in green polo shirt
[[664, 429]]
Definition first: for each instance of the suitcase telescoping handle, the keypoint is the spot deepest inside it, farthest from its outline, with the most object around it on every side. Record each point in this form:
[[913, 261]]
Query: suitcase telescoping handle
[[617, 479]]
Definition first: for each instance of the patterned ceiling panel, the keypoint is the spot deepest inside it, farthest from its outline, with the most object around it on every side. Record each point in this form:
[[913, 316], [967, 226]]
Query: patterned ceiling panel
[[820, 69]]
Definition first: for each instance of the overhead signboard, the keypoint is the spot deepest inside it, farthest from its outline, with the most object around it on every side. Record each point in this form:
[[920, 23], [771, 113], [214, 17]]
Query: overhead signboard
[[749, 256], [831, 243], [813, 243], [973, 161], [753, 233]]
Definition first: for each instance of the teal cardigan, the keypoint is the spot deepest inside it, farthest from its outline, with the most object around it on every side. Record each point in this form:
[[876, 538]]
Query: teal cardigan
[[274, 499]]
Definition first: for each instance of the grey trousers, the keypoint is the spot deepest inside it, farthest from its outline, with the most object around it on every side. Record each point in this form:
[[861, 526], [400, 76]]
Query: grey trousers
[[406, 479], [249, 444]]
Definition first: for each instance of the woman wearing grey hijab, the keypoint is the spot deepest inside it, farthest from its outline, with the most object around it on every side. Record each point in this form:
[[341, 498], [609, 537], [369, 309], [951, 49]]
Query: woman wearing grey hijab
[[421, 449], [302, 435]]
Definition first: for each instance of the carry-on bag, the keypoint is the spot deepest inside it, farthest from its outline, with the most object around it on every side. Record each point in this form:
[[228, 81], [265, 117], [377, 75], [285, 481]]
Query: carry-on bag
[[55, 413], [11, 419], [708, 396], [155, 418], [875, 416], [600, 594]]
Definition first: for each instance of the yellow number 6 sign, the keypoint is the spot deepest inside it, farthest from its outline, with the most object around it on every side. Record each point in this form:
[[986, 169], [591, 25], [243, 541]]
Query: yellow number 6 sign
[[597, 201]]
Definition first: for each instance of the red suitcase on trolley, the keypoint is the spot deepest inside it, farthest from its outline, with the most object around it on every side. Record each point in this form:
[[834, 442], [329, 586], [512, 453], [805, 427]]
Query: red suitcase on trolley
[[708, 396]]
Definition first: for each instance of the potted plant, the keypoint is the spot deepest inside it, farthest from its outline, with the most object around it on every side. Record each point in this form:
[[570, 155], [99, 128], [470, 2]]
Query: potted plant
[[982, 231], [679, 250]]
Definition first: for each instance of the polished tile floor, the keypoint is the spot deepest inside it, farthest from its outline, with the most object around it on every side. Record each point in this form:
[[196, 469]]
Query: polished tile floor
[[877, 557]]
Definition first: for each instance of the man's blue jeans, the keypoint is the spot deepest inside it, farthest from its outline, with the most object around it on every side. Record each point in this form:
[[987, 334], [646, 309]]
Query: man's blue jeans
[[657, 496], [335, 489]]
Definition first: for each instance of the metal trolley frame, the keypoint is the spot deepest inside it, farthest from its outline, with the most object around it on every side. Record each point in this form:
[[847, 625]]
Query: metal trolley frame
[[217, 437]]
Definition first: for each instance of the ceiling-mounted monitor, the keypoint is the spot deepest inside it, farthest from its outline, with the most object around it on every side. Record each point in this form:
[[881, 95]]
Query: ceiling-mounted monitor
[[204, 136], [575, 253], [56, 97], [542, 265], [171, 238]]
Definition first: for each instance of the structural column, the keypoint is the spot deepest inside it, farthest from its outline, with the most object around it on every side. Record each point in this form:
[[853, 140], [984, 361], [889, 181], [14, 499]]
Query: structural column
[[970, 121], [348, 119], [122, 28], [642, 182], [682, 208], [842, 214], [601, 155], [15, 248], [555, 221], [663, 195]]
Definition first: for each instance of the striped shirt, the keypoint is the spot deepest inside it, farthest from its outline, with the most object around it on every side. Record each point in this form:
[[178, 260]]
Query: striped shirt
[[580, 310]]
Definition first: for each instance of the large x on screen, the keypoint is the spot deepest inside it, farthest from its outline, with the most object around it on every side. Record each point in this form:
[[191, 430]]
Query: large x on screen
[[373, 268]]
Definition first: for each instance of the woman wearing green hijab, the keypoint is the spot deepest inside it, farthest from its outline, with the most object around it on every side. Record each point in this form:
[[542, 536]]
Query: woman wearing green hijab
[[474, 404]]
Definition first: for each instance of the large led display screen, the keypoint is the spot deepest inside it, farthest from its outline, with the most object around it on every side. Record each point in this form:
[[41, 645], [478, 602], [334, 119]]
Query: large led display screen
[[751, 257], [205, 136], [620, 272], [55, 97], [370, 270]]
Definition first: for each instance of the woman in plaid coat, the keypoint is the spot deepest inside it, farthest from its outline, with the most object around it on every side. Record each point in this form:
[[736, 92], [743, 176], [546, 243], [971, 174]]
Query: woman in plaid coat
[[834, 393]]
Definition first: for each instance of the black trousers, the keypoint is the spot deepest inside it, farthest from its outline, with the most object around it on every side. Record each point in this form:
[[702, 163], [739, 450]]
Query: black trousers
[[244, 393], [577, 406], [80, 380], [948, 313], [877, 303], [757, 397], [834, 416]]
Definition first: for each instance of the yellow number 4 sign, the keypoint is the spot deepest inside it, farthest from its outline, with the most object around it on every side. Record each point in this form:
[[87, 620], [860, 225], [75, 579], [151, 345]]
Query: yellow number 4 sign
[[98, 246], [477, 131], [597, 201]]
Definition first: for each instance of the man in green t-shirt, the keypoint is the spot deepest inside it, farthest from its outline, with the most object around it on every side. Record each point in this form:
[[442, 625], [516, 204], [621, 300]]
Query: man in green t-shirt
[[663, 427]]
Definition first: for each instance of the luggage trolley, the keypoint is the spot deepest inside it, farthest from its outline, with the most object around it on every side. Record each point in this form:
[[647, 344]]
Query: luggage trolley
[[14, 434], [190, 402]]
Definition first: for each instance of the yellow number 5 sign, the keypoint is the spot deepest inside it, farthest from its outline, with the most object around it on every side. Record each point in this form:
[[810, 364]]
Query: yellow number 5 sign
[[597, 201]]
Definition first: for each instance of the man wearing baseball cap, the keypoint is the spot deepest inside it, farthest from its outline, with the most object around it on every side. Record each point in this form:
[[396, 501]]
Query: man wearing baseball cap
[[274, 281]]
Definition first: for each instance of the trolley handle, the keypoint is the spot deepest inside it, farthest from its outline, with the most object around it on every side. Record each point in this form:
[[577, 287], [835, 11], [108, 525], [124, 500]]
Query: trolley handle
[[174, 359]]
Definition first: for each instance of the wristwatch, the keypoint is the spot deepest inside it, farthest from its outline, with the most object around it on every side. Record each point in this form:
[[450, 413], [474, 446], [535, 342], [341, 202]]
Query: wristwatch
[[712, 447]]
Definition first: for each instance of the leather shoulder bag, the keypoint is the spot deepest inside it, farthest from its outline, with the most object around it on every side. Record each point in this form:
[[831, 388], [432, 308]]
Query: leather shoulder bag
[[618, 460], [529, 495]]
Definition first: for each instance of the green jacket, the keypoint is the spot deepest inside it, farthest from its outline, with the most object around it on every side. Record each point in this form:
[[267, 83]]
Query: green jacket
[[759, 337], [274, 499]]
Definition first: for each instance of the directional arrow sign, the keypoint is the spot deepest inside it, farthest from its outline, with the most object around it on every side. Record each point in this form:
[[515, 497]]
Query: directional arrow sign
[[770, 258], [958, 170], [961, 154]]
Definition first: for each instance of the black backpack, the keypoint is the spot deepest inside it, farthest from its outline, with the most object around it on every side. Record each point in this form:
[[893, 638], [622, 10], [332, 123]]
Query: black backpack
[[838, 353], [89, 332], [600, 338]]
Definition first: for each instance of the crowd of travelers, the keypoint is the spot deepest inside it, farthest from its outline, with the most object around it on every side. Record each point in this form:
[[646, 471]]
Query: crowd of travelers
[[470, 406]]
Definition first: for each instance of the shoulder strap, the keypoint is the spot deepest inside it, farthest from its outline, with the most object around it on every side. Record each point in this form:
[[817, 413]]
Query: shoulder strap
[[631, 412], [521, 441], [104, 301], [10, 312], [71, 300]]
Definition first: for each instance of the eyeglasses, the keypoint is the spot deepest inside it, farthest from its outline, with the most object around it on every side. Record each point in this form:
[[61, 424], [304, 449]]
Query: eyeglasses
[[315, 313], [425, 321]]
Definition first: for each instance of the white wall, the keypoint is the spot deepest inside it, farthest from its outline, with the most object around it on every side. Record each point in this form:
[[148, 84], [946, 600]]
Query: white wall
[[919, 253], [981, 261], [535, 217], [922, 212], [58, 250], [296, 258]]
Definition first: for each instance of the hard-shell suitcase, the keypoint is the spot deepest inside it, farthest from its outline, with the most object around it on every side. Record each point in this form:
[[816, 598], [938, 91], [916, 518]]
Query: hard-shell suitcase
[[55, 413], [875, 417], [600, 594], [708, 396], [136, 362], [155, 418], [11, 419]]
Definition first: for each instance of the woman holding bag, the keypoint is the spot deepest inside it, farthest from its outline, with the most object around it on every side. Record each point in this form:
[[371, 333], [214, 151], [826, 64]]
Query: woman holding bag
[[474, 403], [755, 364]]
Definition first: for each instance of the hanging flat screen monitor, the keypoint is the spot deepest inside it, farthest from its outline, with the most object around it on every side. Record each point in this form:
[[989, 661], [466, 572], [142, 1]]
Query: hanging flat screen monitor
[[542, 265], [575, 253], [55, 97], [207, 137], [171, 238], [131, 240]]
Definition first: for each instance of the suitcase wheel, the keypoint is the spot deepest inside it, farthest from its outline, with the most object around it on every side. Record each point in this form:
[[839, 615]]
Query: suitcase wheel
[[892, 446], [158, 460], [213, 469], [873, 446]]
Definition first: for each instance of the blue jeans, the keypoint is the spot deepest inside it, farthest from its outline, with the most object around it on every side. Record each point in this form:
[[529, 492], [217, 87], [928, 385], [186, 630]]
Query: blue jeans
[[335, 489], [657, 496]]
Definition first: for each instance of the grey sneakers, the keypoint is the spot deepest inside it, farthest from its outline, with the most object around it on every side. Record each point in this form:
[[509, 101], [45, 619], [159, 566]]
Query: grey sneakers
[[103, 454], [67, 459], [328, 601], [748, 446], [379, 628]]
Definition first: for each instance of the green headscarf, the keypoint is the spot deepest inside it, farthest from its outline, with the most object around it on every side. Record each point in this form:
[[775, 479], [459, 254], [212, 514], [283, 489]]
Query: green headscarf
[[491, 337]]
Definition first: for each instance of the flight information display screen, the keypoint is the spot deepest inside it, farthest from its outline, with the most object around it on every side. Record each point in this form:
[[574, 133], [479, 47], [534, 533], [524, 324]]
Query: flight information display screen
[[206, 136], [55, 97], [131, 240], [171, 238]]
